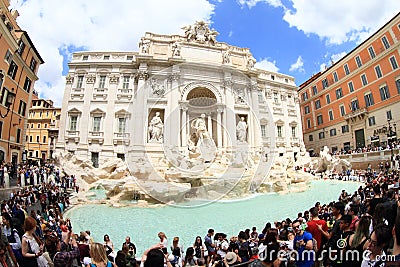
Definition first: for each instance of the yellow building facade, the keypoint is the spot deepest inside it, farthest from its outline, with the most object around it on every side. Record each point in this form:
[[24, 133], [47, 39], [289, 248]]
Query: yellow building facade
[[42, 129]]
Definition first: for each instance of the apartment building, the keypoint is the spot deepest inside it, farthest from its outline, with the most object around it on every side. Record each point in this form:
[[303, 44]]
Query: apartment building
[[42, 129], [18, 68], [355, 102]]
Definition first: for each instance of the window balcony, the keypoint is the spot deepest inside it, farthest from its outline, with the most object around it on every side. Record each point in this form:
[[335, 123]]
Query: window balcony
[[95, 136], [100, 94], [356, 114], [72, 135], [121, 138], [77, 94], [294, 141], [124, 94], [280, 141]]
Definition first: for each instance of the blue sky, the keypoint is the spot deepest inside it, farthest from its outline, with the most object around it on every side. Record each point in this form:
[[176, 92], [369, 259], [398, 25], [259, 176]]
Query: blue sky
[[294, 37]]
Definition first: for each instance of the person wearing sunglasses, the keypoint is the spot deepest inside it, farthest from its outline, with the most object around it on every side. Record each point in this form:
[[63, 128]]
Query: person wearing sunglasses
[[303, 244]]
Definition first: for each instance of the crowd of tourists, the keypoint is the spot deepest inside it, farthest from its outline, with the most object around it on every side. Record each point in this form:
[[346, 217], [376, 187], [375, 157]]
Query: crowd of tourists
[[361, 228]]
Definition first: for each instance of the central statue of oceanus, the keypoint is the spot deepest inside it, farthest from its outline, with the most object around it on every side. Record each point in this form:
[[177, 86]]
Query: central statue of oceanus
[[205, 143]]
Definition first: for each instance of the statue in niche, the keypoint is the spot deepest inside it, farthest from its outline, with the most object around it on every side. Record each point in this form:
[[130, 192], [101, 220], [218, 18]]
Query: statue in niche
[[156, 129], [226, 57], [205, 143], [241, 130], [176, 50], [144, 45]]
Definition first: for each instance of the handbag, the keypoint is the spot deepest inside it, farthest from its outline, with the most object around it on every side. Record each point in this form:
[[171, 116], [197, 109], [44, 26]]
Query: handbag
[[29, 261]]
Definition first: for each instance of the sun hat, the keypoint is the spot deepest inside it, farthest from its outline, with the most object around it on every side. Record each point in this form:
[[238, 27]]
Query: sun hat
[[231, 257]]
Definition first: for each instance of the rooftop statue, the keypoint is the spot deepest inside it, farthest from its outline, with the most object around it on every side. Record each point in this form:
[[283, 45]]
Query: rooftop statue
[[200, 32]]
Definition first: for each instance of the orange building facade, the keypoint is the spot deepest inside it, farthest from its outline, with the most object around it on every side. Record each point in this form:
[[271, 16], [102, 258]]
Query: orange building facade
[[353, 103], [19, 63]]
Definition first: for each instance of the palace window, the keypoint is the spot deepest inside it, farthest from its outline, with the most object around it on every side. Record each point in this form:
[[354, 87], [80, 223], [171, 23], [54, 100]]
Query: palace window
[[345, 128], [96, 123], [279, 129], [12, 70], [330, 113], [328, 98], [354, 105], [364, 79], [73, 120], [320, 120], [346, 69], [332, 132], [27, 84], [263, 130], [371, 52], [21, 48], [321, 135], [304, 96], [358, 61], [325, 83], [398, 85], [315, 90], [369, 100], [310, 138], [389, 115], [371, 121], [308, 123], [125, 84], [317, 104], [393, 62], [335, 76], [339, 93], [121, 125], [351, 86], [79, 82], [102, 81], [306, 109], [384, 91], [385, 42], [378, 71]]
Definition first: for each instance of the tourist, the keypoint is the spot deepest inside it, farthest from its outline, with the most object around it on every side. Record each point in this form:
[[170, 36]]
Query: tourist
[[222, 245], [12, 236], [341, 259], [379, 239], [98, 256], [231, 259], [353, 211], [357, 240], [163, 242], [155, 257], [303, 244], [210, 246], [63, 253], [254, 235], [130, 245], [176, 246], [190, 259], [120, 259], [198, 247], [313, 229], [244, 248], [32, 246], [109, 246], [268, 257], [375, 200]]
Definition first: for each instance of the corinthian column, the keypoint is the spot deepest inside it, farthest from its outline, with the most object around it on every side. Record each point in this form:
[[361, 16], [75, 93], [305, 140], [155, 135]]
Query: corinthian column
[[209, 124]]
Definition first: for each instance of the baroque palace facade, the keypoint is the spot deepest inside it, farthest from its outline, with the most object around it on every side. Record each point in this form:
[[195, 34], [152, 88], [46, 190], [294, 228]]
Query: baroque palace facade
[[355, 103], [126, 104]]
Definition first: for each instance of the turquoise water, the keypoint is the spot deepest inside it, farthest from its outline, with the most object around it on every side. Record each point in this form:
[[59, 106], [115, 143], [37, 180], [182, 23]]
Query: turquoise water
[[143, 224]]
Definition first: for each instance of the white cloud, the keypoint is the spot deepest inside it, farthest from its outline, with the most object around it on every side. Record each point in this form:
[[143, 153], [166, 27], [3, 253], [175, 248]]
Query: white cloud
[[230, 33], [298, 65], [341, 20], [322, 67], [252, 3], [265, 64], [58, 27], [337, 57]]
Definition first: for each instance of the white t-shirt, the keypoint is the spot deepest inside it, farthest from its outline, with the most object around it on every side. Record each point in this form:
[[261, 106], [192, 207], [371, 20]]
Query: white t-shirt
[[223, 248]]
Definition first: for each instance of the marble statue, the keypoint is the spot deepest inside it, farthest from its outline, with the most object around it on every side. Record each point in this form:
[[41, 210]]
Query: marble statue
[[176, 50], [226, 57], [156, 127], [200, 32], [241, 130], [157, 89], [205, 143], [250, 62], [144, 45]]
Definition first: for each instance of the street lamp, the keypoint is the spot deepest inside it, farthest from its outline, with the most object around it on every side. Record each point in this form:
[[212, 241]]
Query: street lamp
[[390, 136], [9, 101]]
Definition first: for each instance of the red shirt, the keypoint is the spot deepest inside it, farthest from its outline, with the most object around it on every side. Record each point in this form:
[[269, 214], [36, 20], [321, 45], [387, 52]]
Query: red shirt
[[316, 233]]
